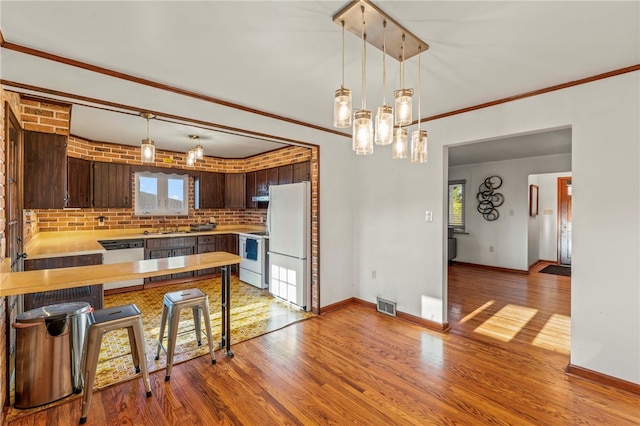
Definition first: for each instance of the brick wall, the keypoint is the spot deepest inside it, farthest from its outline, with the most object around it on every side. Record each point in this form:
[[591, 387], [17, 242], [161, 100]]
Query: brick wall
[[45, 117], [87, 219], [109, 152]]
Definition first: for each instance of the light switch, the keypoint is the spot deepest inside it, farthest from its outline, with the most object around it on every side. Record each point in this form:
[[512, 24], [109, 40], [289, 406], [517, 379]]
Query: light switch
[[428, 216]]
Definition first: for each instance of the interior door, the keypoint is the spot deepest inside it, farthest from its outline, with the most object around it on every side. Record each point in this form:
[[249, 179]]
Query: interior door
[[564, 220], [13, 226]]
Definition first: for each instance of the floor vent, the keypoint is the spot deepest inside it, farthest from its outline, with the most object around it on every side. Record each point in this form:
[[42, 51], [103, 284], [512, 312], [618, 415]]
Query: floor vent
[[386, 307]]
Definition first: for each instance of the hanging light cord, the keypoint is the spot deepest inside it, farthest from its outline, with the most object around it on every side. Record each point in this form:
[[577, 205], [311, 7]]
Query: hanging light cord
[[419, 85], [384, 61], [364, 62], [342, 85], [147, 129], [402, 65]]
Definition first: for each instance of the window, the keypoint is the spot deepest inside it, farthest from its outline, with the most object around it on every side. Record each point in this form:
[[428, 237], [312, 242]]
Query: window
[[457, 204], [159, 194]]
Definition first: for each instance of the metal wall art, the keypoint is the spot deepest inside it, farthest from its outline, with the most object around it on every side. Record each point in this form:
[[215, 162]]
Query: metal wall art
[[488, 200]]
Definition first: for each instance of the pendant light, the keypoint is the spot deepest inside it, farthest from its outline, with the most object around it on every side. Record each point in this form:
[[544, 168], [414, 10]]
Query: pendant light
[[419, 137], [147, 148], [400, 144], [403, 97], [342, 99], [199, 151], [191, 157], [384, 117], [362, 124]]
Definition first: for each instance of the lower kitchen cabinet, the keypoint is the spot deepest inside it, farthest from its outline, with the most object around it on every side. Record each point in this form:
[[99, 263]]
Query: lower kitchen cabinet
[[157, 248], [221, 242], [208, 244], [91, 294]]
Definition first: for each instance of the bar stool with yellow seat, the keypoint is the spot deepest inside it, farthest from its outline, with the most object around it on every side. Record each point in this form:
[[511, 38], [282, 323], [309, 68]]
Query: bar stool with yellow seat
[[172, 303], [100, 322]]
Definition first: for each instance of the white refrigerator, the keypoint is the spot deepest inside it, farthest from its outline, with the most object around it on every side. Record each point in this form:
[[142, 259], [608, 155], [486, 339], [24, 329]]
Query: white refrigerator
[[289, 226]]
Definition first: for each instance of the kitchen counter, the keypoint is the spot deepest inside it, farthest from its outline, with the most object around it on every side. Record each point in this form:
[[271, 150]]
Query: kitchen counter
[[75, 243], [14, 283]]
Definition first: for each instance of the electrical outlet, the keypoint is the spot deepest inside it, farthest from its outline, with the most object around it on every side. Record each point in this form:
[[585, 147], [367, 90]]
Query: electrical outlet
[[373, 274], [212, 219], [491, 249]]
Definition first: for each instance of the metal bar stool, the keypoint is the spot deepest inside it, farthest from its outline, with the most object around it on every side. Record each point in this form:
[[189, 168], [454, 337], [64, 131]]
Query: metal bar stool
[[100, 322], [172, 303]]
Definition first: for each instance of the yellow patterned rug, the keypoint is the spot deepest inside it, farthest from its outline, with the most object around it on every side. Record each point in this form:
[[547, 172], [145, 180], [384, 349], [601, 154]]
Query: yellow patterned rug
[[253, 312]]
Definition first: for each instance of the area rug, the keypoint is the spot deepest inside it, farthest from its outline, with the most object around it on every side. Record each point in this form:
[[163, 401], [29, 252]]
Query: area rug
[[557, 270], [254, 312]]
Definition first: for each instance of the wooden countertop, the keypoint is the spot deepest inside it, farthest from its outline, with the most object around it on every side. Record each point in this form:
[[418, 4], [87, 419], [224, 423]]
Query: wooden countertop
[[74, 243], [14, 283]]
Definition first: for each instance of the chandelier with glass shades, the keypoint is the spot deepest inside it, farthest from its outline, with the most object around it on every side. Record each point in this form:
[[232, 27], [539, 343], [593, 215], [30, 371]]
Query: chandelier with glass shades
[[375, 27]]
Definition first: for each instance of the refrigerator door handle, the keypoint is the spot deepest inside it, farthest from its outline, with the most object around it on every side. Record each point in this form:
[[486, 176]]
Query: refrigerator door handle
[[269, 219]]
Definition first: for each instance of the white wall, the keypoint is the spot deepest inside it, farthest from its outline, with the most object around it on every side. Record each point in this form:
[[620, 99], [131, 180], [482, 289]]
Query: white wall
[[508, 235], [391, 236], [336, 229], [547, 219]]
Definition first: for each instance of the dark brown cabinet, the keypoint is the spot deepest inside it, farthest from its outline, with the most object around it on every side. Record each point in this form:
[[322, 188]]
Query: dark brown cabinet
[[157, 248], [78, 182], [234, 190], [251, 190], [210, 190], [262, 183], [208, 244], [45, 170], [230, 243], [272, 177], [302, 172], [111, 185], [91, 294], [285, 174]]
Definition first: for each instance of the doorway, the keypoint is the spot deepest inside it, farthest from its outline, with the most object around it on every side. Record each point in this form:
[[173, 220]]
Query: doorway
[[564, 220]]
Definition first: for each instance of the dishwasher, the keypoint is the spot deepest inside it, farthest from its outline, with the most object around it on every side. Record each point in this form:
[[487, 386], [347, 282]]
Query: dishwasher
[[119, 251]]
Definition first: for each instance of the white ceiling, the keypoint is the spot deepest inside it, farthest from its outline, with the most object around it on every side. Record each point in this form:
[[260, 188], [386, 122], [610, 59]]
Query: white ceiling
[[284, 58]]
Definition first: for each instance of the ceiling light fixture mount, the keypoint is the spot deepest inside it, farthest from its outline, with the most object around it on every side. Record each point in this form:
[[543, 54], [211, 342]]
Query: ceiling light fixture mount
[[375, 17], [147, 147]]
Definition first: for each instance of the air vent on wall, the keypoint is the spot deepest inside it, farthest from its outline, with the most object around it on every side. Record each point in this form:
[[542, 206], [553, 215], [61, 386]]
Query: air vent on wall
[[386, 307]]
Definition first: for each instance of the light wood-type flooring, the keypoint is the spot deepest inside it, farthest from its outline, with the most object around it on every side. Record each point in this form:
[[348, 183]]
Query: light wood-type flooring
[[502, 363]]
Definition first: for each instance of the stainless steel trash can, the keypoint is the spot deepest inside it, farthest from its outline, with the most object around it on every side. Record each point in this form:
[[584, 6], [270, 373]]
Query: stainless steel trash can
[[49, 343]]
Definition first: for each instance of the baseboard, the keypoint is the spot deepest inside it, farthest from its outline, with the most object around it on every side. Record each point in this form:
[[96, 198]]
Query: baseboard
[[492, 268], [431, 325], [337, 305], [602, 379]]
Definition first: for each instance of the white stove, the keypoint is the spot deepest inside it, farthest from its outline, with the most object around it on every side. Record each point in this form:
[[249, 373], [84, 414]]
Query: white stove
[[252, 262]]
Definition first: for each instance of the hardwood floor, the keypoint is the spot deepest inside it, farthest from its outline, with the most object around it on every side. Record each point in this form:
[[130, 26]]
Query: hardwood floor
[[501, 364]]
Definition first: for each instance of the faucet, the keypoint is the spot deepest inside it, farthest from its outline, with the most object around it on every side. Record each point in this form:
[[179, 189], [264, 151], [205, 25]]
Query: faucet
[[162, 221]]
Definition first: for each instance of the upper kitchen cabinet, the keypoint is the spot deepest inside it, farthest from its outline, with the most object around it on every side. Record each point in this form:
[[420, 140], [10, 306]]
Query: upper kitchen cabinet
[[234, 191], [272, 178], [209, 191], [45, 170], [251, 190], [111, 185], [302, 172], [285, 174], [78, 182]]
